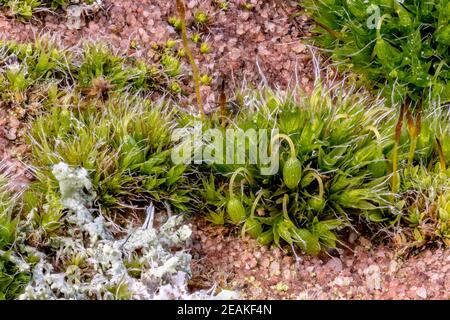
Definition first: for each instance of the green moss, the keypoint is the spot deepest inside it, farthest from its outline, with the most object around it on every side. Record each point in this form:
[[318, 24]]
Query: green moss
[[126, 147], [175, 22], [387, 44], [204, 48], [171, 65], [201, 17]]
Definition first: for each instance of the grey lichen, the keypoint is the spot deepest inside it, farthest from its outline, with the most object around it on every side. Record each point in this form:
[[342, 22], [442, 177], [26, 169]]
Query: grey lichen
[[91, 264], [76, 195]]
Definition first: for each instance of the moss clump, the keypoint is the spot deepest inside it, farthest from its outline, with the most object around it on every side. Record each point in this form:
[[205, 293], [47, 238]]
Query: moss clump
[[25, 9]]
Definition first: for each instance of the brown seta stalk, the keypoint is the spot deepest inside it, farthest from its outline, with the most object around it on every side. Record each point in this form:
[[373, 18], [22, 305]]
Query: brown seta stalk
[[414, 128], [222, 100], [195, 73], [397, 136], [441, 155]]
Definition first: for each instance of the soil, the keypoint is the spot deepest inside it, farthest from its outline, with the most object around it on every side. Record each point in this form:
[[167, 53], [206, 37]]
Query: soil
[[360, 271], [254, 46]]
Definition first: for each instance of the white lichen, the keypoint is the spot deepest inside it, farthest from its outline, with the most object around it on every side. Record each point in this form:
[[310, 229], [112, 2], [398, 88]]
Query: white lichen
[[91, 264]]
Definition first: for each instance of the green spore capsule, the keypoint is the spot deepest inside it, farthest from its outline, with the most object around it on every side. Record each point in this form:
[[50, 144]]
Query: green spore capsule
[[292, 173], [236, 211], [252, 227]]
